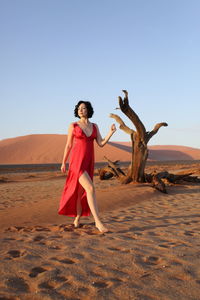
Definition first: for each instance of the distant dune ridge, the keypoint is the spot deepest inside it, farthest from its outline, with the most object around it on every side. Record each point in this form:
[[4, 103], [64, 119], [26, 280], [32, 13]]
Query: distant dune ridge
[[48, 148]]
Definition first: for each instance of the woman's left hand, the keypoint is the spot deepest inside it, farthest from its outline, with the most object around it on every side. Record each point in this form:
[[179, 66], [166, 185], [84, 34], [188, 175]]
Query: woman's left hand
[[113, 128]]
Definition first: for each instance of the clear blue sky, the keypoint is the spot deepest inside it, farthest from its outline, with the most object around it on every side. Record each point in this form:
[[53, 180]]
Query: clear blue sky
[[56, 52]]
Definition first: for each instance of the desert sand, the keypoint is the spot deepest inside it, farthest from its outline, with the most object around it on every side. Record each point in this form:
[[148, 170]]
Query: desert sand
[[48, 148], [150, 252]]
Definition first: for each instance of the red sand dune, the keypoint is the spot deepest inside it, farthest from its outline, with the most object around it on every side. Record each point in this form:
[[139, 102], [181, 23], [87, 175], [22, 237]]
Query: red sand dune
[[48, 148]]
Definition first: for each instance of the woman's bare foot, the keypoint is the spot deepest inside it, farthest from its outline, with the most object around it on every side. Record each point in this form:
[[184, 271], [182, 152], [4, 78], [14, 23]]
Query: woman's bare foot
[[101, 227], [76, 222]]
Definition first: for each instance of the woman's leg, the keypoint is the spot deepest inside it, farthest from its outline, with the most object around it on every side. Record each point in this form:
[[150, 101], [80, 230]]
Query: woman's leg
[[78, 207], [88, 186]]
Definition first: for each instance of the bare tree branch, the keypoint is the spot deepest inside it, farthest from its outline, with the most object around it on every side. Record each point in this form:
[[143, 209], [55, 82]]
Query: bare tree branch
[[128, 111], [122, 124], [118, 172], [154, 131]]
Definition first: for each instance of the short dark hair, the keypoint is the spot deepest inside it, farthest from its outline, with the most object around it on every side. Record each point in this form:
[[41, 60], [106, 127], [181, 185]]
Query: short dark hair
[[89, 107]]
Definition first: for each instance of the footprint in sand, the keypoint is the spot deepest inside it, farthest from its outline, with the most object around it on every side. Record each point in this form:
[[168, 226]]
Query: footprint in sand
[[63, 260], [38, 238], [14, 228], [152, 260], [89, 232], [46, 285], [78, 255], [40, 228], [83, 290], [115, 280], [52, 244], [35, 271], [17, 284], [54, 288], [64, 227], [59, 279], [67, 261], [152, 233], [51, 293], [15, 253], [99, 284]]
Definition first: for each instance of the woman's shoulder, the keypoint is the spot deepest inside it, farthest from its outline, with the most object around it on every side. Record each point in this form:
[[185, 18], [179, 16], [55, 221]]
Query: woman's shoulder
[[95, 125], [71, 126]]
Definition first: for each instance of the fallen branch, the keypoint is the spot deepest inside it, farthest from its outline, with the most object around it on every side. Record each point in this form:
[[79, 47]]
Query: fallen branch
[[111, 170], [158, 180]]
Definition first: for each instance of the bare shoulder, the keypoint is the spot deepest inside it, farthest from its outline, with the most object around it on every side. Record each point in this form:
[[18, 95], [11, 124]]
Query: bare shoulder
[[71, 126], [96, 125]]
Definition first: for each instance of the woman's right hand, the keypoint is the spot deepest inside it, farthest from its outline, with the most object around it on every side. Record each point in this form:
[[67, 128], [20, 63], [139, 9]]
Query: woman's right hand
[[63, 168]]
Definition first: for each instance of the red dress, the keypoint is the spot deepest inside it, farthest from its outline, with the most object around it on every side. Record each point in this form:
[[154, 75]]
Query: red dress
[[82, 159]]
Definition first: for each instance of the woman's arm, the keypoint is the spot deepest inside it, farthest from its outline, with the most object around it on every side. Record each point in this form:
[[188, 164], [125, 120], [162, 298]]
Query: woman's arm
[[67, 147], [101, 142]]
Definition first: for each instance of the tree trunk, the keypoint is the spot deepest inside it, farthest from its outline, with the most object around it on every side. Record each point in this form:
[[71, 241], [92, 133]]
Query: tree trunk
[[139, 161]]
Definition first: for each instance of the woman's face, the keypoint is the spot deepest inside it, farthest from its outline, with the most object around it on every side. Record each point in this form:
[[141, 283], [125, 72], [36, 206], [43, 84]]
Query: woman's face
[[82, 110]]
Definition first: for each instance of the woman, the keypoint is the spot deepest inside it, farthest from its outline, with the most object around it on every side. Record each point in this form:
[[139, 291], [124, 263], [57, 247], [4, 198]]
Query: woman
[[78, 198]]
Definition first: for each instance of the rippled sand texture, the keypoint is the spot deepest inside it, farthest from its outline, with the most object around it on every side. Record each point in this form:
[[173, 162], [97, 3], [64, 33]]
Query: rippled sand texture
[[151, 252]]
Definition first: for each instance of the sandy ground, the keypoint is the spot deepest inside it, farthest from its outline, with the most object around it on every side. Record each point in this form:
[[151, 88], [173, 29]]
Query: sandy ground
[[151, 251], [48, 148]]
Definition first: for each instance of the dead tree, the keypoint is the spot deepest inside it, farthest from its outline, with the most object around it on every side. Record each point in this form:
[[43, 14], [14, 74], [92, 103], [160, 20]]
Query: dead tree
[[139, 139], [160, 180], [112, 169]]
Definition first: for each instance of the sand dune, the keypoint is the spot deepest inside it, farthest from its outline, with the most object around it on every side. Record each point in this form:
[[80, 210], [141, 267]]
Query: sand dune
[[48, 148], [172, 152]]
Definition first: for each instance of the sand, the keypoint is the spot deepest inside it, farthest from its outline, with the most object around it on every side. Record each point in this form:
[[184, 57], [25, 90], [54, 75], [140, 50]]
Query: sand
[[151, 251], [48, 148]]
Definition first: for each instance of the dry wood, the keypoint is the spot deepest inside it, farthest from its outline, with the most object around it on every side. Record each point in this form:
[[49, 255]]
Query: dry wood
[[158, 184], [111, 170], [114, 167], [139, 139], [150, 134], [129, 112], [159, 180], [105, 173], [122, 125]]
